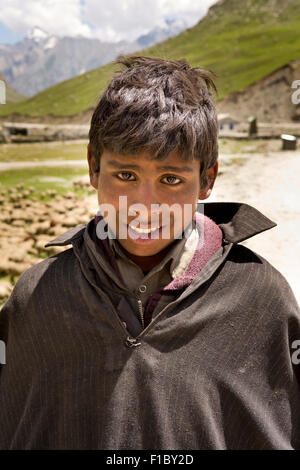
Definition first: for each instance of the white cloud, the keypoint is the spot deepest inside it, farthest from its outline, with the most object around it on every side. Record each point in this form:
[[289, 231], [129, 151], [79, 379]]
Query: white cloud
[[121, 19], [108, 20], [127, 19], [59, 17]]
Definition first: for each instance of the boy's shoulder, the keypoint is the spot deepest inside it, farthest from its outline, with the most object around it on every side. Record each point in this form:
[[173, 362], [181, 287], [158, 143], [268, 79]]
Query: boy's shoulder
[[40, 273], [40, 278], [258, 283]]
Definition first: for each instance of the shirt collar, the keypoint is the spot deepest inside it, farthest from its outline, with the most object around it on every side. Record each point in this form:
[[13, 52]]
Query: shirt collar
[[238, 221]]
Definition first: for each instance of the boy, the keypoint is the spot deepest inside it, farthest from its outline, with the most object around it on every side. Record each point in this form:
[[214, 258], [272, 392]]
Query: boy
[[156, 329]]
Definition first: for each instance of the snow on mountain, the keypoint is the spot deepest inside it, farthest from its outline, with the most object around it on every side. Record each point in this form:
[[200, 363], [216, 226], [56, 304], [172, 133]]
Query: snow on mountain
[[51, 43], [37, 34]]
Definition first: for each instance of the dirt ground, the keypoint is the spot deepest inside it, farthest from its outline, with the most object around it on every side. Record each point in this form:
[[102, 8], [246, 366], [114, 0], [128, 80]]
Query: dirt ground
[[270, 183]]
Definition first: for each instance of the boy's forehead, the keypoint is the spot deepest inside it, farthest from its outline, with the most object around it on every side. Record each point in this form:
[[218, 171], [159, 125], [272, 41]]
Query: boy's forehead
[[145, 159]]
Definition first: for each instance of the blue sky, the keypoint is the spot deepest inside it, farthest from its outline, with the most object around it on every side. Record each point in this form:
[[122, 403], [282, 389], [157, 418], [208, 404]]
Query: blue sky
[[7, 36], [109, 20]]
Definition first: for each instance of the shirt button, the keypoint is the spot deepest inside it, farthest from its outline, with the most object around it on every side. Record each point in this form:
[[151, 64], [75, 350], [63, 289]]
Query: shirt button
[[132, 342], [142, 288]]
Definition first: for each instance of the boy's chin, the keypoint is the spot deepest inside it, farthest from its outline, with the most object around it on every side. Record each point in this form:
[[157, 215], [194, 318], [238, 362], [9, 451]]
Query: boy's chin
[[145, 249]]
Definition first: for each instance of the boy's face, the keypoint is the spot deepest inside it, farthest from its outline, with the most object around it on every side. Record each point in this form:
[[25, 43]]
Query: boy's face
[[141, 180]]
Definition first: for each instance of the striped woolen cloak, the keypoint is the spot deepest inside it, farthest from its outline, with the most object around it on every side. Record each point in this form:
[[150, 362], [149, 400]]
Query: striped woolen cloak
[[212, 370]]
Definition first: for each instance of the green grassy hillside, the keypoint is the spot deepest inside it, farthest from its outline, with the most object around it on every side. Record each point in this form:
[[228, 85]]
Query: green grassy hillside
[[11, 95], [240, 41]]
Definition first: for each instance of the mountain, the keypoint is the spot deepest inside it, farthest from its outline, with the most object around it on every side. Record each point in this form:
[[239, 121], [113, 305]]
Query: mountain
[[41, 60], [242, 42]]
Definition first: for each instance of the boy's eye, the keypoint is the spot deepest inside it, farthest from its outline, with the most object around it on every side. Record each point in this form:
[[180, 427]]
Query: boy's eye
[[172, 180], [169, 179], [125, 176]]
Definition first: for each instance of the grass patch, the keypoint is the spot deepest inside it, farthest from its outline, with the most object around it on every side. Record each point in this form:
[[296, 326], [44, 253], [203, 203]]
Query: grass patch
[[41, 151], [42, 179], [7, 278], [231, 146]]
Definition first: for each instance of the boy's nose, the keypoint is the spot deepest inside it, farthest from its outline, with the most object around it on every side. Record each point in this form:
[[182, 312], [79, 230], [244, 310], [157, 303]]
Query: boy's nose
[[143, 200], [145, 194]]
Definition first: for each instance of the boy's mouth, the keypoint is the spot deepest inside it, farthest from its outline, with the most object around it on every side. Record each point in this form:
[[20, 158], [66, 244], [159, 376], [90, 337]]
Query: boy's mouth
[[144, 234], [142, 230]]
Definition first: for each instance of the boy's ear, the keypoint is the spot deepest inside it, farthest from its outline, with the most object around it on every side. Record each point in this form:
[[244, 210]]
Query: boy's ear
[[94, 174], [211, 173]]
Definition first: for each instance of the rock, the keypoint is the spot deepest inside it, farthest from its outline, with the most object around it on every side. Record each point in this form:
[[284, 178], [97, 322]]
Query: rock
[[23, 245], [56, 220], [18, 256], [37, 228], [51, 192], [51, 250], [69, 195], [16, 269], [4, 266], [69, 222], [14, 197], [18, 223]]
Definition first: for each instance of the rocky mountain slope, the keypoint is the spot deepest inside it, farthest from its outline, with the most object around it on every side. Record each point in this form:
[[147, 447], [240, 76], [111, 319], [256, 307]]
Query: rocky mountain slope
[[41, 60], [271, 99], [242, 42]]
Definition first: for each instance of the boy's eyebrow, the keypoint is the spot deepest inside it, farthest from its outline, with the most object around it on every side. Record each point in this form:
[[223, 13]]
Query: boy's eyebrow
[[162, 168], [176, 168]]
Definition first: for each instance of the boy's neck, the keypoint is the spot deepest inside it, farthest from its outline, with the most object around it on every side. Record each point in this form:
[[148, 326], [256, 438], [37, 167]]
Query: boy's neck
[[146, 263]]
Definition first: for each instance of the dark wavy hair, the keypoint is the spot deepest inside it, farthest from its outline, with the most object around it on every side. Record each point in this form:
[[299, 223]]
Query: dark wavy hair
[[161, 106]]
